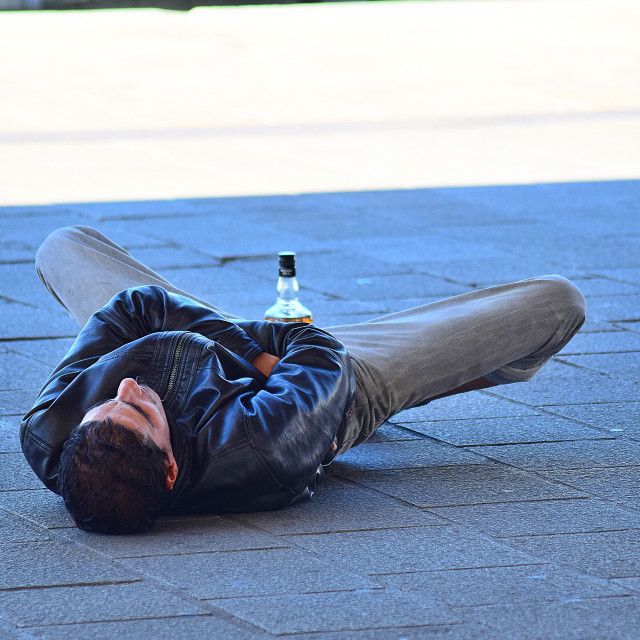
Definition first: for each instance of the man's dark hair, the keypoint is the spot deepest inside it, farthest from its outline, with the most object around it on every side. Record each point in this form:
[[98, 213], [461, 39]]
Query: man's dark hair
[[112, 481]]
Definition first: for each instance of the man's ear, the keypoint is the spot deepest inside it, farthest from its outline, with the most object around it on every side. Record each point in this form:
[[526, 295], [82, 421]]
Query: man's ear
[[172, 473]]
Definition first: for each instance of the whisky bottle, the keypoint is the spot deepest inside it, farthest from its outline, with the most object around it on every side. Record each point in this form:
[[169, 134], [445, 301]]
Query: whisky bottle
[[287, 308]]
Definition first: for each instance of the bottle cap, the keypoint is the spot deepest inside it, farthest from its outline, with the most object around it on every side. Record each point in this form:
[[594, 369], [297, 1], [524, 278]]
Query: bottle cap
[[287, 264]]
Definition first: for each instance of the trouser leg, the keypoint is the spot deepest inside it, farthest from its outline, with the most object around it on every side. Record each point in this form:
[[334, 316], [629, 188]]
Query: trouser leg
[[504, 334], [82, 269]]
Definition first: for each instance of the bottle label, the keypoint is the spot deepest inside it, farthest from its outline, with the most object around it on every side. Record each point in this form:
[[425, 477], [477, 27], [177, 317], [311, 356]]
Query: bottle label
[[286, 272]]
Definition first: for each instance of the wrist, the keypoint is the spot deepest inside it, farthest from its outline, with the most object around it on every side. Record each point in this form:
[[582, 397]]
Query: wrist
[[264, 362]]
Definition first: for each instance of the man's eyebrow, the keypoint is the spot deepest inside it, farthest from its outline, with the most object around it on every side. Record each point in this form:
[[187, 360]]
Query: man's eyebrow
[[140, 410]]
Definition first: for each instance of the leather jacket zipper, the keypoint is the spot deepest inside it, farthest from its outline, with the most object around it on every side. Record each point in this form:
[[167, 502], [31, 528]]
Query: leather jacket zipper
[[174, 366]]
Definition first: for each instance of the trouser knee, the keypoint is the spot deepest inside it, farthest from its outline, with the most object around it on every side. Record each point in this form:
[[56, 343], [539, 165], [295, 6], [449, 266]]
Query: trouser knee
[[49, 251], [55, 245], [565, 298], [567, 306]]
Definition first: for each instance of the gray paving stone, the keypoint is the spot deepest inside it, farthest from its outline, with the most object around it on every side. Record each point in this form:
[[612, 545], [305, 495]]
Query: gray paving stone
[[15, 473], [21, 372], [23, 321], [577, 250], [331, 225], [469, 631], [625, 274], [462, 485], [18, 530], [271, 208], [194, 627], [465, 406], [231, 289], [487, 271], [625, 365], [27, 229], [362, 609], [10, 632], [257, 572], [20, 212], [41, 506], [434, 246], [514, 430], [387, 287], [617, 417], [588, 619], [180, 536], [594, 287], [228, 241], [541, 517], [619, 484], [513, 234], [48, 352], [411, 549], [415, 209], [208, 281], [9, 434], [133, 234], [630, 584], [280, 207], [79, 604], [628, 325], [162, 258], [534, 583], [17, 402], [20, 282], [596, 323], [545, 200], [558, 382], [54, 563], [602, 342], [334, 313], [579, 454], [132, 210], [14, 252], [614, 308], [339, 506], [388, 432], [404, 455], [605, 554]]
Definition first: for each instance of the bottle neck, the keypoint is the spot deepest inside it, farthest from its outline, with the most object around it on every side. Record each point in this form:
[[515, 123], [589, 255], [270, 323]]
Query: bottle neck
[[287, 288]]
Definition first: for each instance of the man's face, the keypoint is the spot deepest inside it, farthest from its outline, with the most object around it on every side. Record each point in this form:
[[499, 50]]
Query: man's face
[[139, 408]]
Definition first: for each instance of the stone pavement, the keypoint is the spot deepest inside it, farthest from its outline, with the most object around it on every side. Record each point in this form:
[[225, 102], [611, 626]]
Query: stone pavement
[[206, 142]]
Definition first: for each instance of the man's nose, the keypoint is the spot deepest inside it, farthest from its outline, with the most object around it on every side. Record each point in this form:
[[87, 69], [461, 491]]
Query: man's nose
[[128, 390]]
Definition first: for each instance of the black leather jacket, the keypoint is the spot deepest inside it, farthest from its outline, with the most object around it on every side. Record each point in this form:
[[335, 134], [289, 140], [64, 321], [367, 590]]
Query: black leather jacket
[[242, 441]]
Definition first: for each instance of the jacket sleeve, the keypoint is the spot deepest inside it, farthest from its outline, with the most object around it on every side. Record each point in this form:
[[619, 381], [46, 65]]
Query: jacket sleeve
[[295, 417], [140, 311], [131, 314]]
